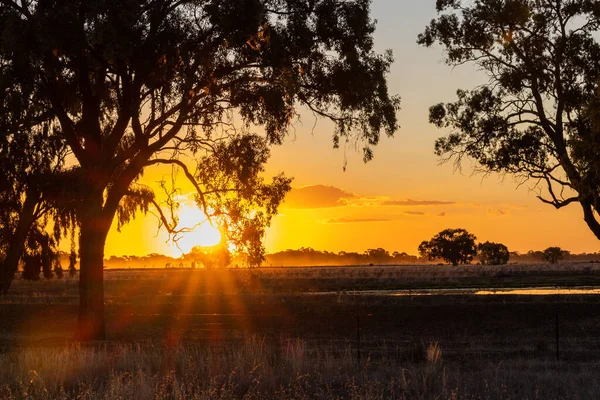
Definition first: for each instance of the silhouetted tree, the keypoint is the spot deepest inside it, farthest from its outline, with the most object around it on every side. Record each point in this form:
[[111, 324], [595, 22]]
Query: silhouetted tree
[[378, 255], [32, 155], [553, 255], [138, 83], [531, 119], [493, 253], [456, 246], [211, 257], [404, 257]]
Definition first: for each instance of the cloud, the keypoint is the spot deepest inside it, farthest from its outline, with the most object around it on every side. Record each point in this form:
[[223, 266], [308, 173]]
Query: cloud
[[411, 202], [414, 213], [442, 214], [317, 196], [355, 220]]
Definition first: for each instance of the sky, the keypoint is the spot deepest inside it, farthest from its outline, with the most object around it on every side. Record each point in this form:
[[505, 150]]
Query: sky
[[404, 195]]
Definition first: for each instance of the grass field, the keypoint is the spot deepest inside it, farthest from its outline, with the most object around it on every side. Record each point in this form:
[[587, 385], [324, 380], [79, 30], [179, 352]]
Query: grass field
[[308, 333]]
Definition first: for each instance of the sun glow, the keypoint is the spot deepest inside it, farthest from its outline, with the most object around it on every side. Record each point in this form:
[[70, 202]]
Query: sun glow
[[202, 232]]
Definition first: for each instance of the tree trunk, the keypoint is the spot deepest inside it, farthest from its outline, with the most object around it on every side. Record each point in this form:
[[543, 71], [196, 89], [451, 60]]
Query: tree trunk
[[590, 218], [94, 229], [10, 265]]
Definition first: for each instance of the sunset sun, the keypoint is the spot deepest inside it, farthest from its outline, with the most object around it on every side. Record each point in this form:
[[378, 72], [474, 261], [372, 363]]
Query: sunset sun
[[202, 232]]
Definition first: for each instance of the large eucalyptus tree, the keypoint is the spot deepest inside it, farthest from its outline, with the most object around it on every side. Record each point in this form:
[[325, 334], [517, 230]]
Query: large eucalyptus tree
[[532, 118], [134, 83]]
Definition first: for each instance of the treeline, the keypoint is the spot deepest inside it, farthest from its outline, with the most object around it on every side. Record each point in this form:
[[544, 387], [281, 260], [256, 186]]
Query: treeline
[[307, 256]]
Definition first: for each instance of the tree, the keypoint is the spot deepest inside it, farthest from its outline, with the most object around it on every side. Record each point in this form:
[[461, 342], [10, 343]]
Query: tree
[[553, 255], [456, 246], [378, 255], [32, 155], [138, 83], [210, 257], [532, 119], [493, 253]]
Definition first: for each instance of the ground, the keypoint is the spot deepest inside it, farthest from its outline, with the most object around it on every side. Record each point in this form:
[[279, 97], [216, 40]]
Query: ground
[[375, 321]]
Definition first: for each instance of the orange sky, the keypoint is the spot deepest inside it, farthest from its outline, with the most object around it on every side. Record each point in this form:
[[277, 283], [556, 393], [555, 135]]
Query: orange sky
[[403, 196]]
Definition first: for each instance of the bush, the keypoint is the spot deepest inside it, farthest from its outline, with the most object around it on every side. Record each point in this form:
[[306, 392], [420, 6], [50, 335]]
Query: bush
[[493, 253], [554, 254], [456, 246]]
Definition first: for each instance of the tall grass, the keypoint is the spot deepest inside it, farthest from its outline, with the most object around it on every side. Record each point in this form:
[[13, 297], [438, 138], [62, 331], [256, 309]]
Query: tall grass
[[289, 369]]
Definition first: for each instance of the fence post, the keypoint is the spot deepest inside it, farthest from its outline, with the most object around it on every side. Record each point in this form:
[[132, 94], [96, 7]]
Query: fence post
[[557, 338], [358, 338]]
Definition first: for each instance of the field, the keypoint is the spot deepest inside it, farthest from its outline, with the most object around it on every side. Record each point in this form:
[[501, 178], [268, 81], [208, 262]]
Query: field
[[370, 332]]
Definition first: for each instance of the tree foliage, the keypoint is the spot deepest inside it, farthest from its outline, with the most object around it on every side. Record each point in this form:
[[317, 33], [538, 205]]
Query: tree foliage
[[32, 156], [493, 253], [456, 246], [532, 119], [40, 255]]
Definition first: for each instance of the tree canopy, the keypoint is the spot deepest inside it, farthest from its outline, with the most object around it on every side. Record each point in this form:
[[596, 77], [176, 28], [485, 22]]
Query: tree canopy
[[191, 84], [456, 246], [491, 253], [532, 118]]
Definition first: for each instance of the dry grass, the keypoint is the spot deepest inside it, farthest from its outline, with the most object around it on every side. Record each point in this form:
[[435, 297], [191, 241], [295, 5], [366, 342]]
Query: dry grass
[[256, 369], [176, 336]]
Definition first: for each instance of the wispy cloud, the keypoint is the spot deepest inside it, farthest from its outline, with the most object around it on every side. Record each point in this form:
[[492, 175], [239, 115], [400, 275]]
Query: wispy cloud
[[411, 202], [355, 220], [414, 213]]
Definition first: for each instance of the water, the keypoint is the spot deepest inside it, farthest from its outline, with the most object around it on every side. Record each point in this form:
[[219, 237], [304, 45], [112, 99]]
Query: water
[[532, 291]]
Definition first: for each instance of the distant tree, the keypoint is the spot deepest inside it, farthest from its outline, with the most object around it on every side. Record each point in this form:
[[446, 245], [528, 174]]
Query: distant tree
[[134, 84], [456, 246], [493, 253], [553, 254], [211, 257], [534, 116], [378, 255], [404, 257], [535, 255]]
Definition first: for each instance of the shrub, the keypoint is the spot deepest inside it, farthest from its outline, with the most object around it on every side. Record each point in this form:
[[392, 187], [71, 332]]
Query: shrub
[[456, 246], [493, 253]]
